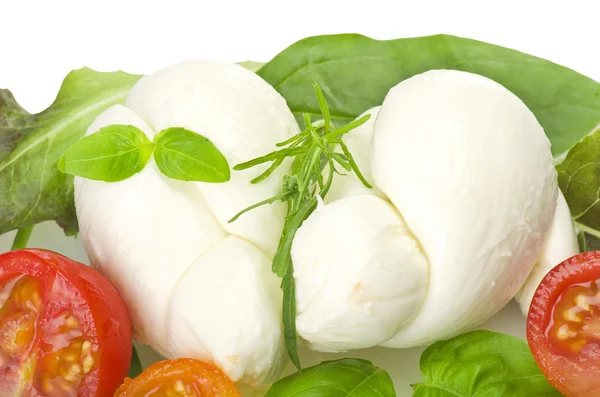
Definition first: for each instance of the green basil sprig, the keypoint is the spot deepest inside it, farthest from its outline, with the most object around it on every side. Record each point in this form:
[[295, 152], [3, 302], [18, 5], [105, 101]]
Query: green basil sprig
[[481, 363], [340, 378], [117, 152]]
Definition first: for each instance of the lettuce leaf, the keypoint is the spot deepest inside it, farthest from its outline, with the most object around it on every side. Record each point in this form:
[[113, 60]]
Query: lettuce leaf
[[32, 189]]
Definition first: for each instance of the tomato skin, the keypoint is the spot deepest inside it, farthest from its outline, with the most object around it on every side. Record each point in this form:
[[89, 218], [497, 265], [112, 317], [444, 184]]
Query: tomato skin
[[574, 373], [210, 380], [100, 311]]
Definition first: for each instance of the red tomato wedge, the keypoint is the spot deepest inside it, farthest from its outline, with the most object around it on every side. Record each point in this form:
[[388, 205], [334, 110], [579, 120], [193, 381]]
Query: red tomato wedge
[[64, 330], [181, 377], [563, 326]]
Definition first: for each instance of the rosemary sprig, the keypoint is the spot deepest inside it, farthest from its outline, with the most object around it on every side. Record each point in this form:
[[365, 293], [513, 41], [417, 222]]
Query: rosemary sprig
[[314, 165]]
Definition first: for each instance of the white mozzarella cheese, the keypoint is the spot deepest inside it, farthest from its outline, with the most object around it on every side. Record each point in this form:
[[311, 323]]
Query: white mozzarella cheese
[[561, 244], [360, 274], [143, 233], [470, 169], [226, 310], [243, 116], [151, 235]]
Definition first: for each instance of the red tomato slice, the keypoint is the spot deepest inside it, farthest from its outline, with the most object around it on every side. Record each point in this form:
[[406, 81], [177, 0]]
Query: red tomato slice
[[181, 377], [563, 326], [64, 330]]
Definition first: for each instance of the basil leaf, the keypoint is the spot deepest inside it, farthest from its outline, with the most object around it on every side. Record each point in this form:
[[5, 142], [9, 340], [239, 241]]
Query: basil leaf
[[579, 181], [341, 378], [112, 154], [481, 363], [356, 72], [32, 189], [187, 156]]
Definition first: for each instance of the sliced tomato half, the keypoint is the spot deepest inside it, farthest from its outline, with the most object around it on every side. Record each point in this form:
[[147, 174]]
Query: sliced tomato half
[[64, 330], [563, 326], [181, 377]]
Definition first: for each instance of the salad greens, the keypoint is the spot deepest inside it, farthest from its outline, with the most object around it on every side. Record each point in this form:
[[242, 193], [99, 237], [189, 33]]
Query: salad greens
[[111, 154], [578, 178], [354, 73], [342, 378], [14, 122], [313, 151], [182, 154], [32, 189], [117, 152], [22, 238], [481, 363]]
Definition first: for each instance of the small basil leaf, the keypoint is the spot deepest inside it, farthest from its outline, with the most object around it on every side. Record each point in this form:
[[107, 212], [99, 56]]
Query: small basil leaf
[[481, 363], [187, 156], [340, 378], [112, 154]]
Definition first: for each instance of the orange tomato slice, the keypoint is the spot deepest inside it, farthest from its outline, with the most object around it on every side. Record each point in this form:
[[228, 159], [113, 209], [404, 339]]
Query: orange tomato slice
[[183, 377]]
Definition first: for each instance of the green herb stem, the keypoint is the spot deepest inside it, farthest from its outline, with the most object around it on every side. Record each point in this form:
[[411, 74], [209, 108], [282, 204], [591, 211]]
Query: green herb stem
[[22, 238], [313, 152]]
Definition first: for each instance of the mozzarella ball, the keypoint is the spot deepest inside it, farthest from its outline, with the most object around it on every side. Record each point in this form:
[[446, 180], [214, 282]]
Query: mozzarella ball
[[143, 234], [233, 288], [244, 117], [360, 274], [196, 286], [469, 168], [561, 244]]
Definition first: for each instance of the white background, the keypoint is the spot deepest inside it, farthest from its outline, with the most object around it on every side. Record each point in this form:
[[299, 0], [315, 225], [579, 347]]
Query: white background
[[41, 41]]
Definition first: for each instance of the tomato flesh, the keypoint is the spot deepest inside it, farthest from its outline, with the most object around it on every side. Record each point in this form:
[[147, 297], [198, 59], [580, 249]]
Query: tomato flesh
[[61, 325], [575, 321], [563, 325], [182, 377]]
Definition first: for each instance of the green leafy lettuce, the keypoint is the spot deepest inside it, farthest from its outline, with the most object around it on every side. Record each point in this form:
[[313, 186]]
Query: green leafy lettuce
[[579, 179], [32, 189], [13, 123]]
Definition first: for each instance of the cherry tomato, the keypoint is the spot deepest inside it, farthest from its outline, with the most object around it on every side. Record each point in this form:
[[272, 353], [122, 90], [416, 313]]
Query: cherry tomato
[[563, 326], [64, 330], [181, 377]]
